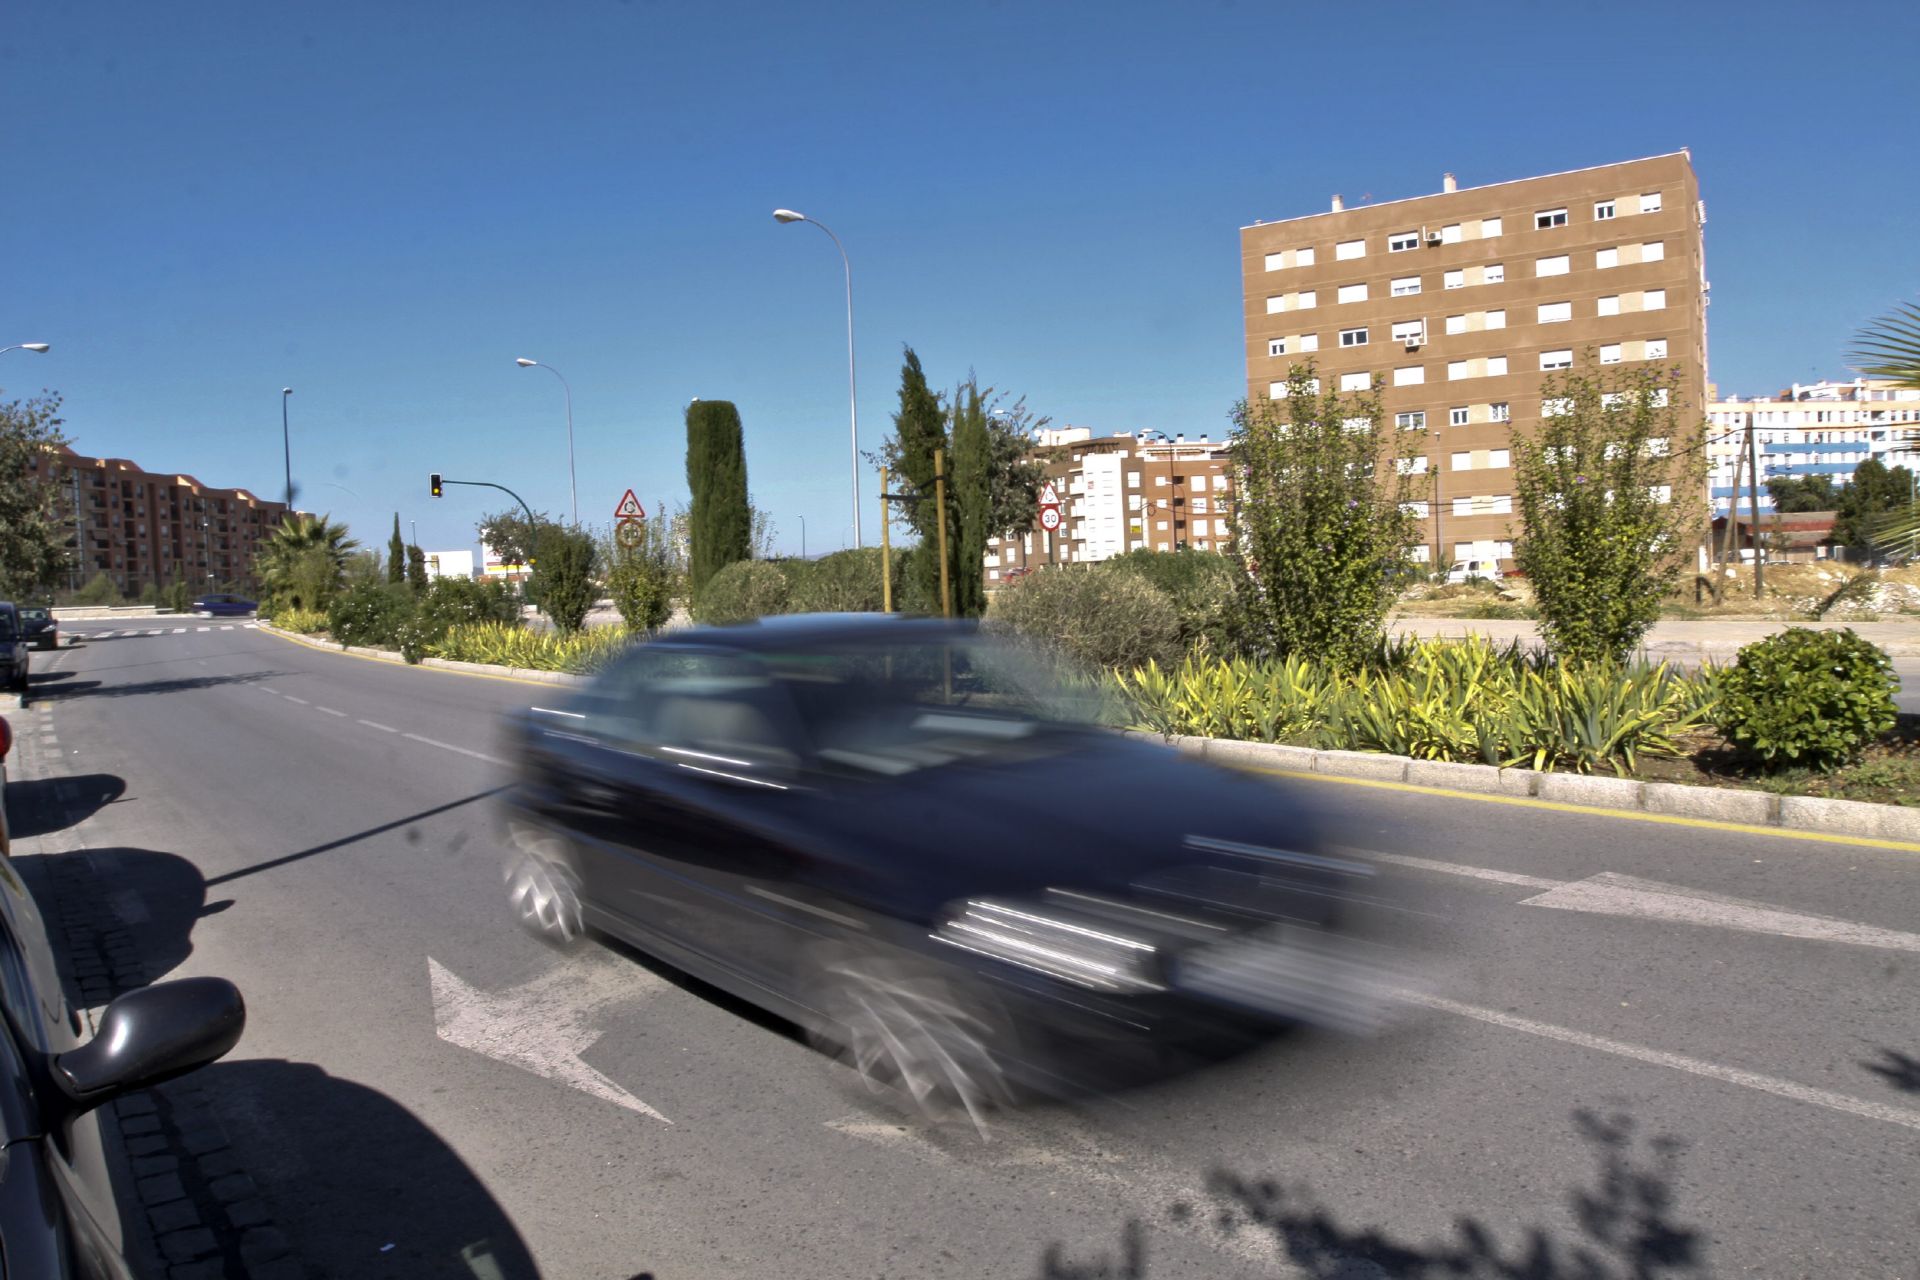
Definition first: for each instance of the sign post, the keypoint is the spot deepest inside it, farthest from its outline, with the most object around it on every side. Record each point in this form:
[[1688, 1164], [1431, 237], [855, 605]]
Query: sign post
[[629, 520], [1050, 513]]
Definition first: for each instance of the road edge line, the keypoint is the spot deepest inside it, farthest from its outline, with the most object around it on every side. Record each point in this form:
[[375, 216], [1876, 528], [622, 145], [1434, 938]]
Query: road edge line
[[555, 678]]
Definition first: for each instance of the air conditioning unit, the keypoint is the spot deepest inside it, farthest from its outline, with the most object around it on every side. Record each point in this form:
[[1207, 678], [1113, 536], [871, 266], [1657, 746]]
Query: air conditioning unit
[[1429, 235], [1416, 342]]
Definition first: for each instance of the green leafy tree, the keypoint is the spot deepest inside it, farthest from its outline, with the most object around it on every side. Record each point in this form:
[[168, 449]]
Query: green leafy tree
[[396, 554], [972, 492], [1864, 502], [643, 579], [720, 523], [301, 563], [1610, 508], [564, 571], [1792, 494], [1321, 522], [417, 570], [33, 532], [919, 432]]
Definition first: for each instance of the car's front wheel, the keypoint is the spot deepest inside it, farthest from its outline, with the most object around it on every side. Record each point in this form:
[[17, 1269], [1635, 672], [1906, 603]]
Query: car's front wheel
[[543, 892]]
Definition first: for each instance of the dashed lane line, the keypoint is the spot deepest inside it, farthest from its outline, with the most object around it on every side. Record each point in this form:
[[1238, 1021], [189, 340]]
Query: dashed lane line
[[329, 711], [448, 746], [302, 701], [375, 724]]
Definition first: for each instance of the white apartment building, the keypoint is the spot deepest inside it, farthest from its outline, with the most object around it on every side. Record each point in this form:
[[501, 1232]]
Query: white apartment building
[[1818, 428]]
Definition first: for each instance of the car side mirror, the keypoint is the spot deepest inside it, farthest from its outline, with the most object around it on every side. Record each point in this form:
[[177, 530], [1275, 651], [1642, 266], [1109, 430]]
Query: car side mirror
[[151, 1035]]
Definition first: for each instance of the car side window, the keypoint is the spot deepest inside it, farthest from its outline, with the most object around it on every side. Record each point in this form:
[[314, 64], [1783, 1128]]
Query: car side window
[[695, 708]]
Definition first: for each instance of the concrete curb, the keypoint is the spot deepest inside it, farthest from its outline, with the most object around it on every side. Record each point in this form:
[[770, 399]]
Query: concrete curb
[[1716, 804], [440, 664]]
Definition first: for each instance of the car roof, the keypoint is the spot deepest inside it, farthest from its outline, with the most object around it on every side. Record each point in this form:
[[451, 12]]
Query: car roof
[[818, 630]]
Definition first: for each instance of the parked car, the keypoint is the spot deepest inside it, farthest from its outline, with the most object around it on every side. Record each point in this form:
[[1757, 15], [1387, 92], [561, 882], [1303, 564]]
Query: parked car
[[223, 606], [896, 834], [58, 1216], [39, 628], [15, 658], [6, 748], [1468, 570]]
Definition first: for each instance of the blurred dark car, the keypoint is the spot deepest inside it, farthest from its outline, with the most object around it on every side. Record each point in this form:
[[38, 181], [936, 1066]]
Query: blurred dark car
[[58, 1215], [907, 837], [14, 656], [38, 627], [223, 606]]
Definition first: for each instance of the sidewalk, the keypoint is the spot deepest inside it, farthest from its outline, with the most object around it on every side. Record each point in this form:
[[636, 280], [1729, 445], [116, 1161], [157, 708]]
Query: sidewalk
[[1696, 639]]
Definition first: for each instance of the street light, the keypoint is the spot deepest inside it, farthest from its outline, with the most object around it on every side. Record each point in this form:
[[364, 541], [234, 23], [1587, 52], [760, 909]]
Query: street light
[[573, 484], [853, 401], [803, 537], [286, 444], [41, 347]]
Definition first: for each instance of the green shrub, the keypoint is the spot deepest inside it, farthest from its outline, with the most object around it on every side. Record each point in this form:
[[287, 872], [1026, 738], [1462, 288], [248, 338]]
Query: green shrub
[[565, 575], [454, 602], [100, 590], [914, 589], [370, 614], [1097, 618], [844, 582], [502, 644], [1807, 697], [1204, 588], [743, 591], [303, 621], [1489, 609]]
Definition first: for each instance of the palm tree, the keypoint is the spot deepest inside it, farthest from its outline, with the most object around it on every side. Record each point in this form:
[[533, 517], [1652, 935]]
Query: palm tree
[[1889, 348], [302, 560]]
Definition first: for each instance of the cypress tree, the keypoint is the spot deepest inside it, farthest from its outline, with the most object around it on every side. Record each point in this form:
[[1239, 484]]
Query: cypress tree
[[920, 428], [396, 554], [970, 491], [719, 517]]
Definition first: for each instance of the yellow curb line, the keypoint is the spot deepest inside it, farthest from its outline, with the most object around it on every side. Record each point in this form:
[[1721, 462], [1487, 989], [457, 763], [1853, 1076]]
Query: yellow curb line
[[1561, 806], [397, 661]]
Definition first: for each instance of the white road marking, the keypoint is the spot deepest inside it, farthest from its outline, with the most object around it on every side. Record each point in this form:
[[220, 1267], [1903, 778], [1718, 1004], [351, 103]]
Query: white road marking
[[226, 628], [302, 701], [542, 1026], [1617, 895], [179, 631], [329, 711], [1455, 869], [448, 746], [101, 635], [203, 628], [251, 626], [372, 724], [1679, 1062], [156, 631]]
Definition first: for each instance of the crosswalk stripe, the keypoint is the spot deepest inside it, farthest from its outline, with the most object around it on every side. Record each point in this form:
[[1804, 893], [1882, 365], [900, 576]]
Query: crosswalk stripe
[[226, 628], [203, 628], [179, 631], [156, 631], [103, 635]]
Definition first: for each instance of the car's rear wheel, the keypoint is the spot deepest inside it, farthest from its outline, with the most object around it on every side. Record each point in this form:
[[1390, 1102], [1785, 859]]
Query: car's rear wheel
[[543, 892], [913, 1036]]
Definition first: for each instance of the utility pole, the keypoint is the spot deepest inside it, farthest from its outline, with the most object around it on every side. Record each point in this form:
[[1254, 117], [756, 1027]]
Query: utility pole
[[886, 549], [1753, 510], [1440, 559], [940, 520]]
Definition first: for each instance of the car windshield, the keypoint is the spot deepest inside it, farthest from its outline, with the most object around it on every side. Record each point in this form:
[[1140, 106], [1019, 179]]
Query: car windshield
[[34, 615]]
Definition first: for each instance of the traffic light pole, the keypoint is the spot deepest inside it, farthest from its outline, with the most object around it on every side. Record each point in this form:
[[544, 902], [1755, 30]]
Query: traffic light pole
[[437, 481]]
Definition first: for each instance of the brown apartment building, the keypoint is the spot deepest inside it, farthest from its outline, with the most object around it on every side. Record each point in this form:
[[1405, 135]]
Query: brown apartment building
[[144, 528], [1459, 304]]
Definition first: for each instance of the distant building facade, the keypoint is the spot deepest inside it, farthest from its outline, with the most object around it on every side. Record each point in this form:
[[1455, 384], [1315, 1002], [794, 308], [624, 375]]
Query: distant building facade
[[1122, 492], [1817, 428], [144, 528], [450, 564]]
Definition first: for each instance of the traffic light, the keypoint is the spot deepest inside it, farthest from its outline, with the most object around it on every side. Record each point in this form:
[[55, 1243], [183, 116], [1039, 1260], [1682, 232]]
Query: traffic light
[[433, 483]]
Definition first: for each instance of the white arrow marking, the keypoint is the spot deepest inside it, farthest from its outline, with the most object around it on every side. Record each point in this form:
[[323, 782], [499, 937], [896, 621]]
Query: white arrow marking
[[1617, 895], [542, 1026]]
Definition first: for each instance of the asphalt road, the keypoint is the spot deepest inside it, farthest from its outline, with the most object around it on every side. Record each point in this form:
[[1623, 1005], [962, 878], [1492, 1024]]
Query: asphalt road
[[1714, 1072]]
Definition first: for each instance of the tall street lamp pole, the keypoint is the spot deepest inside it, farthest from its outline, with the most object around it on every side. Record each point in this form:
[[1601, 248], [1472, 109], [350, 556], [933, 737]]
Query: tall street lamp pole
[[803, 537], [573, 482], [853, 400], [286, 445]]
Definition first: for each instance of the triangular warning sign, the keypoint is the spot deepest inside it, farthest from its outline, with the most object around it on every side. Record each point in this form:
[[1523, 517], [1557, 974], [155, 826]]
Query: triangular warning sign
[[629, 508], [1049, 496]]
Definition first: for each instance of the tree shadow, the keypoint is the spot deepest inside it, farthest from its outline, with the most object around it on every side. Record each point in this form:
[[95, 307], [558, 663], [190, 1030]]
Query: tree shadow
[[39, 806], [355, 838], [360, 1185], [1900, 1070], [1625, 1220], [128, 916], [141, 688]]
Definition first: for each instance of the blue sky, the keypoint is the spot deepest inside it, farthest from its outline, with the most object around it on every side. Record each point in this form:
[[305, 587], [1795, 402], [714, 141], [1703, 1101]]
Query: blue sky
[[382, 205]]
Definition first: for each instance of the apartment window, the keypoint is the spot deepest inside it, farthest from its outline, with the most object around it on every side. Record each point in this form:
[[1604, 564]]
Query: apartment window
[[1418, 510], [1489, 228], [1353, 337], [1602, 210], [1610, 354], [1220, 528], [1658, 397], [1612, 400], [1163, 479], [1355, 381], [1453, 279], [1554, 406], [1501, 412], [1275, 261], [1501, 505], [1450, 234], [1160, 524], [1353, 426], [1411, 376], [1405, 286], [1463, 506], [1661, 493], [1276, 346], [1350, 249], [1551, 266], [1408, 331], [1275, 391], [1499, 458], [1610, 305], [1653, 300], [1353, 293], [1456, 370], [1494, 273], [1462, 461], [1658, 447], [1303, 257], [1546, 218], [1555, 312], [1198, 506], [1653, 251], [1496, 319], [1456, 324], [1309, 342], [1416, 420], [1656, 348], [1402, 241], [1133, 482], [1308, 299], [1650, 203], [1276, 303], [1496, 366], [1457, 416], [1556, 360], [1604, 258], [1410, 466]]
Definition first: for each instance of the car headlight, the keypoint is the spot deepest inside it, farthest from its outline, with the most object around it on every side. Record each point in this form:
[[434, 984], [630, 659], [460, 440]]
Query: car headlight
[[1087, 954]]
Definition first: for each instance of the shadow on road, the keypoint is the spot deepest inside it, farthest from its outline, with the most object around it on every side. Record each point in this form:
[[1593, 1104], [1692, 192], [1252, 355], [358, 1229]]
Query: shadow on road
[[355, 838], [156, 898], [39, 806], [360, 1185], [141, 688], [1626, 1228], [1900, 1070]]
